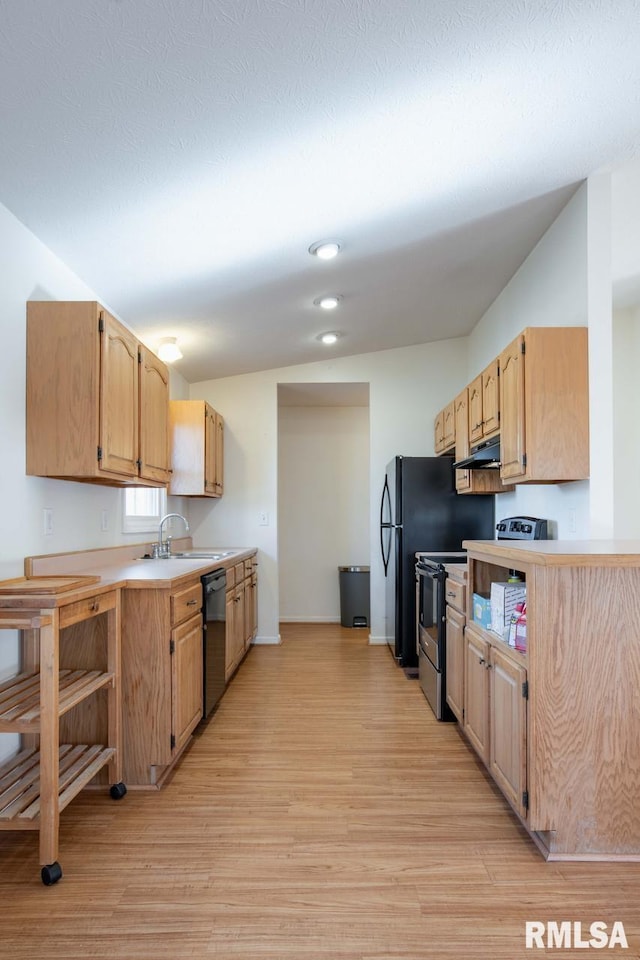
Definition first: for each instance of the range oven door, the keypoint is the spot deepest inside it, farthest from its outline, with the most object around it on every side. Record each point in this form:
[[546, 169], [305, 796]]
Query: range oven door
[[430, 580]]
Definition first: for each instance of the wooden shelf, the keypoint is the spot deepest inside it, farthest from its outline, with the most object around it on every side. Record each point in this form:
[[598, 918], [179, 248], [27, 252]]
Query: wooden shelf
[[20, 782], [20, 697]]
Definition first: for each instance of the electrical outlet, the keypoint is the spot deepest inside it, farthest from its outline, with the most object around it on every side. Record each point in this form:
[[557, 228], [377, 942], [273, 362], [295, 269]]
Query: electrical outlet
[[263, 519], [104, 520], [47, 517]]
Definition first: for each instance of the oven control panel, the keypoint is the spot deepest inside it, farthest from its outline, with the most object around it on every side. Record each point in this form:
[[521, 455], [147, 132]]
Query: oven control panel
[[522, 528]]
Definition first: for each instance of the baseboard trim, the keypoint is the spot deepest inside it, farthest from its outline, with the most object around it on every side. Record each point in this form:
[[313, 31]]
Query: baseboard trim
[[309, 619], [377, 641], [257, 641]]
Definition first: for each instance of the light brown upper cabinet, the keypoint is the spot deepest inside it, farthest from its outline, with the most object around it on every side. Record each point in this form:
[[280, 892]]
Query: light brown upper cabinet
[[97, 399], [472, 481], [197, 449], [544, 404], [484, 404], [445, 430]]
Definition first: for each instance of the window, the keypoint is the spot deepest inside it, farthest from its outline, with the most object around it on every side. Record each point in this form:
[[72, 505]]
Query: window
[[143, 509]]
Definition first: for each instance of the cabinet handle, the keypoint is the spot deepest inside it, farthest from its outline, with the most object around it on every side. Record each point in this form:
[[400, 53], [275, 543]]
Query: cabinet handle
[[451, 593], [95, 606], [482, 660], [191, 603]]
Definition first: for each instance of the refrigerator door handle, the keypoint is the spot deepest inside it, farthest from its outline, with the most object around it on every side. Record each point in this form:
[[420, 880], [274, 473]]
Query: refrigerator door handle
[[385, 525], [385, 556], [385, 498]]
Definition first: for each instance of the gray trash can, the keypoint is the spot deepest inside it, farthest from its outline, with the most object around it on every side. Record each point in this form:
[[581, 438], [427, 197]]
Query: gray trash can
[[354, 596]]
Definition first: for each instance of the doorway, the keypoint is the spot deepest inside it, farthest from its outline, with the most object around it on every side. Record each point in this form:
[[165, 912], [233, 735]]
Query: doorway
[[323, 494]]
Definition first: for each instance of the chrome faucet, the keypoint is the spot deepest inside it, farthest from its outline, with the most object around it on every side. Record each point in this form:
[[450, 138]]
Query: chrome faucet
[[164, 547]]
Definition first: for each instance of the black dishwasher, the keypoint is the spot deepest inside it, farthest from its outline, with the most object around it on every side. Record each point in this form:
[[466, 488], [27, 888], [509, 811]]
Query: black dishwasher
[[214, 638]]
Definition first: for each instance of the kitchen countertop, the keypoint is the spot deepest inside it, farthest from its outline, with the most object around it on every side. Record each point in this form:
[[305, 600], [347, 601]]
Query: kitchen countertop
[[555, 553], [116, 571]]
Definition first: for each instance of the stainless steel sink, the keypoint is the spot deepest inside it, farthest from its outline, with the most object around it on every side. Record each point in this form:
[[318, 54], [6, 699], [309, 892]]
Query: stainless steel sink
[[192, 555], [198, 555]]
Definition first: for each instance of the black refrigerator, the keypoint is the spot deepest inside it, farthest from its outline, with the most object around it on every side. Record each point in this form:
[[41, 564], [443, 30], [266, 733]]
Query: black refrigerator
[[421, 511]]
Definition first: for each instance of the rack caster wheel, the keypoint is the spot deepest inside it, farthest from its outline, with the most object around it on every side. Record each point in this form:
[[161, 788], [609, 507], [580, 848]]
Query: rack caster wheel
[[117, 791], [51, 873]]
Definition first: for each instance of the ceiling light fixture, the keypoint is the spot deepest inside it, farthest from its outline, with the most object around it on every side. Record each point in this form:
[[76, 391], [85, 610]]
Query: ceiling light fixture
[[168, 350], [328, 302], [329, 337], [325, 249]]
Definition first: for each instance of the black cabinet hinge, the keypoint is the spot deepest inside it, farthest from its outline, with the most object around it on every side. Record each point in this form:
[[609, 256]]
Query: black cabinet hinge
[[101, 323], [172, 646], [139, 464], [173, 741], [99, 453], [522, 348], [525, 689], [139, 355], [524, 460], [525, 799]]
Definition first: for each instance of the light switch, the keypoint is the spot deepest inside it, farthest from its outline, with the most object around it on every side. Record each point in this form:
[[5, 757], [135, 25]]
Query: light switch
[[263, 519]]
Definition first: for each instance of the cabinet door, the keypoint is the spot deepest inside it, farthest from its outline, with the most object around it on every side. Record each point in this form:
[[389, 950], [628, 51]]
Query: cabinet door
[[508, 728], [210, 445], [490, 400], [512, 436], [461, 411], [455, 661], [439, 433], [231, 619], [476, 693], [186, 679], [449, 427], [219, 473], [118, 397], [154, 417], [475, 410]]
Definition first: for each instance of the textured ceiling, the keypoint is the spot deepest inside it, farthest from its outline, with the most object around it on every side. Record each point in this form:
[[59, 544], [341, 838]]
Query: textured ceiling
[[181, 155]]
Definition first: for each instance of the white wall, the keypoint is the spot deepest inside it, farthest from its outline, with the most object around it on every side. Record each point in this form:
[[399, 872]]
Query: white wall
[[407, 387], [549, 289], [625, 270], [323, 506], [29, 271]]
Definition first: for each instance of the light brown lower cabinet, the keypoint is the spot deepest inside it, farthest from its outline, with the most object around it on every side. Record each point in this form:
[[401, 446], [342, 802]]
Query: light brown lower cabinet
[[241, 612], [508, 728], [495, 714], [454, 638], [162, 678]]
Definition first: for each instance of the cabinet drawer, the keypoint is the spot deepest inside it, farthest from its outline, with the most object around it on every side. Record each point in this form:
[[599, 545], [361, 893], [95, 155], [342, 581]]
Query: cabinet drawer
[[231, 578], [456, 594], [248, 568], [185, 603], [89, 607], [239, 572]]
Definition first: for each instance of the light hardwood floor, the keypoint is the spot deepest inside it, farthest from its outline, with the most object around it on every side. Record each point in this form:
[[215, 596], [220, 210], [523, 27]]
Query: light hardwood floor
[[321, 814]]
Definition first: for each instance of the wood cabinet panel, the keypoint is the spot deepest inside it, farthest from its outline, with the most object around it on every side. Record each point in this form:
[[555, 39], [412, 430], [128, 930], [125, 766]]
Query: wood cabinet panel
[[88, 418], [508, 729], [455, 661], [118, 397], [162, 677], [197, 449], [154, 417], [544, 402], [476, 693], [186, 680]]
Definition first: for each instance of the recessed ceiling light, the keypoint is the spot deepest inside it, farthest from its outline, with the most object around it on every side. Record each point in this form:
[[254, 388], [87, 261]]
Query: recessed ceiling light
[[329, 337], [168, 350], [328, 302], [325, 249]]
